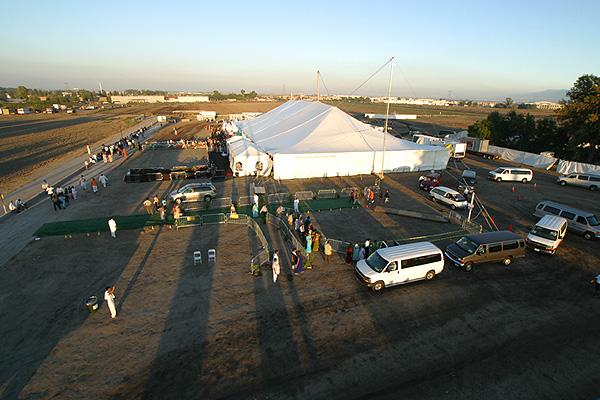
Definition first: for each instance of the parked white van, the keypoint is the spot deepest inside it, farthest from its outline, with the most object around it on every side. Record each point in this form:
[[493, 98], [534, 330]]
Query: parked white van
[[547, 234], [400, 264], [582, 222], [511, 174], [588, 181], [448, 196]]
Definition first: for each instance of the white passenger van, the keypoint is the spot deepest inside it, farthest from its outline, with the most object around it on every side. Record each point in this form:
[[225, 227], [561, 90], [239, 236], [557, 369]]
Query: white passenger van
[[400, 264], [511, 174], [580, 221], [547, 234]]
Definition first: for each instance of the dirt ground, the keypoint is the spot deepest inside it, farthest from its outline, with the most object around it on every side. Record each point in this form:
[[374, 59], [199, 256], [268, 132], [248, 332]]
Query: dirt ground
[[31, 144], [185, 130], [213, 331]]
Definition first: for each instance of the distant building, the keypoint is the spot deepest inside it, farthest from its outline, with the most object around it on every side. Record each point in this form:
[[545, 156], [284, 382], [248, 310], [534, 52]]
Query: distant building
[[487, 103], [415, 101], [546, 105], [137, 99], [187, 99]]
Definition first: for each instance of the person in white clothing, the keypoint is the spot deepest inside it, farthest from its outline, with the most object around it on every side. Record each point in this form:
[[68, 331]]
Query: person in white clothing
[[275, 266], [112, 225], [297, 206], [103, 180], [109, 296], [255, 199]]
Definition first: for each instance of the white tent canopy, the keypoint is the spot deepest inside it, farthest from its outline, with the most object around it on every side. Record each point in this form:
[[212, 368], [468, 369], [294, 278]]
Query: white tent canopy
[[246, 159], [312, 139]]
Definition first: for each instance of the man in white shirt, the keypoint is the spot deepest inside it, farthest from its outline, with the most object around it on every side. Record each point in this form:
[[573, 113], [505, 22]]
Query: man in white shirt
[[297, 206], [109, 296], [112, 225], [255, 199], [275, 266], [11, 206], [103, 180]]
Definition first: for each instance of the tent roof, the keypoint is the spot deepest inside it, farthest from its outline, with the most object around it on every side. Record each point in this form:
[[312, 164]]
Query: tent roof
[[298, 127], [244, 147]]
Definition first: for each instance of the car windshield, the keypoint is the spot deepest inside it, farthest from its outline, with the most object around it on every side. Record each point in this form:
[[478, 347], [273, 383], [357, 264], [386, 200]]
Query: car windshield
[[593, 220], [544, 232], [459, 198], [499, 170], [467, 245], [376, 262]]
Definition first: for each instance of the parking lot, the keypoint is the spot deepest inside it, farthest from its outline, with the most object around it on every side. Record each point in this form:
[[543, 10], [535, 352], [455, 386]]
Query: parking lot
[[213, 331]]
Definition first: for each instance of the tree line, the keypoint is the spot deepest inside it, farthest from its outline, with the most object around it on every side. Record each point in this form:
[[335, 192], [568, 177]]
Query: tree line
[[572, 134]]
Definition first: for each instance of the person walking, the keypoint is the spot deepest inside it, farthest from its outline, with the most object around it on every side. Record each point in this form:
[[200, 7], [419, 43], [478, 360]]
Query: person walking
[[316, 242], [367, 248], [355, 253], [148, 206], [275, 266], [297, 265], [103, 180], [255, 199], [296, 205], [596, 282], [112, 226], [156, 202], [162, 212], [349, 254], [386, 196], [290, 220], [94, 185], [309, 244], [83, 183], [328, 250], [109, 296], [74, 192]]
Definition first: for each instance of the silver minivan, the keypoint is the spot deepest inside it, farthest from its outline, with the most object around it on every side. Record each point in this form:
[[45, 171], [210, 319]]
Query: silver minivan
[[192, 192], [582, 222], [588, 181]]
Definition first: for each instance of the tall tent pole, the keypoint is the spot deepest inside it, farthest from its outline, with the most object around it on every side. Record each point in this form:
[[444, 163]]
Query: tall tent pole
[[318, 88], [387, 113]]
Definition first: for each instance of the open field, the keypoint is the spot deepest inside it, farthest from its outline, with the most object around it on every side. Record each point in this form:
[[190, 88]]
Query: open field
[[29, 146], [213, 331], [185, 130], [223, 107]]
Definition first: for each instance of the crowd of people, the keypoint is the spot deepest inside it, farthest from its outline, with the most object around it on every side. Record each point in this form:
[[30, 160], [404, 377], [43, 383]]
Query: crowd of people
[[370, 194], [107, 153], [160, 206]]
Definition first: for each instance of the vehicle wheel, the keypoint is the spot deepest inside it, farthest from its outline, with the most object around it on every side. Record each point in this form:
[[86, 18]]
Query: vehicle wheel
[[452, 206], [207, 198], [468, 267], [593, 187], [498, 179], [562, 183], [588, 235], [524, 180], [378, 286], [433, 199], [507, 261], [552, 252], [180, 200], [430, 275]]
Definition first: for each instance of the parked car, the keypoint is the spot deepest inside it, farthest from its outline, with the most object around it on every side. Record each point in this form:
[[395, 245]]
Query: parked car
[[588, 181], [449, 197], [429, 181], [194, 192], [397, 265], [470, 177], [469, 250], [511, 174], [145, 175], [547, 234], [583, 222]]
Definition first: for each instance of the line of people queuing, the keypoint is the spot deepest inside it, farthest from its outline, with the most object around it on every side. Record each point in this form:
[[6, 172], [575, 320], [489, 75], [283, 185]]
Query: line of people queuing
[[360, 251], [108, 152], [61, 197]]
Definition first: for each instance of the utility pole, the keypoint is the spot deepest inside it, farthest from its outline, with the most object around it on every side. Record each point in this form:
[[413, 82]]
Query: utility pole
[[387, 113], [318, 88]]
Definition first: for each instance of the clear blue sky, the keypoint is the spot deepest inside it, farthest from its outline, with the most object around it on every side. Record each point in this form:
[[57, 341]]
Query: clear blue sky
[[475, 49]]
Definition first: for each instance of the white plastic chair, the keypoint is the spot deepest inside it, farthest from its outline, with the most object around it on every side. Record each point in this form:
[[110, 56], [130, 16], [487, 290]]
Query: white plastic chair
[[197, 257], [212, 255]]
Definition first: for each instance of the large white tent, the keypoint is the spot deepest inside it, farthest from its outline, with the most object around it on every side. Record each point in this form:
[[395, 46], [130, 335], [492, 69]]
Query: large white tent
[[246, 159], [313, 139]]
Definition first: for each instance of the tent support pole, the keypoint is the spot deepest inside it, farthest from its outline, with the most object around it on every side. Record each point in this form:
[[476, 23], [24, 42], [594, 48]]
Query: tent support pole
[[318, 88], [387, 114]]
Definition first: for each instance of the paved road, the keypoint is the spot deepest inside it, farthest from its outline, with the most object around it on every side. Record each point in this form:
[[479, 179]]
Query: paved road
[[17, 128], [16, 230]]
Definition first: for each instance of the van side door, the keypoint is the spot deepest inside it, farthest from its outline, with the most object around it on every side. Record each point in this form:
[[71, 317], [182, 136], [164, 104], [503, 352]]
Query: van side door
[[495, 252], [580, 224], [392, 274]]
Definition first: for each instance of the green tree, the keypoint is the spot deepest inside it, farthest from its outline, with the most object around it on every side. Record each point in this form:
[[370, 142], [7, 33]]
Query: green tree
[[21, 92], [580, 118], [481, 129], [509, 102]]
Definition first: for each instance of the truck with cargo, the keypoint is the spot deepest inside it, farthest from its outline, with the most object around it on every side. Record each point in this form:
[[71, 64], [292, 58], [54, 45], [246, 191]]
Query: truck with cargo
[[480, 147]]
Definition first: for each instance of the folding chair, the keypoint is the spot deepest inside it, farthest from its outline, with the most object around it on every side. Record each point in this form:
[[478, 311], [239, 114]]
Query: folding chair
[[212, 255], [197, 257]]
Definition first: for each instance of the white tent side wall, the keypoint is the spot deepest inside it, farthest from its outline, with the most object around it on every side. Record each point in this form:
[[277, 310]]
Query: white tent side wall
[[321, 165], [412, 160]]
